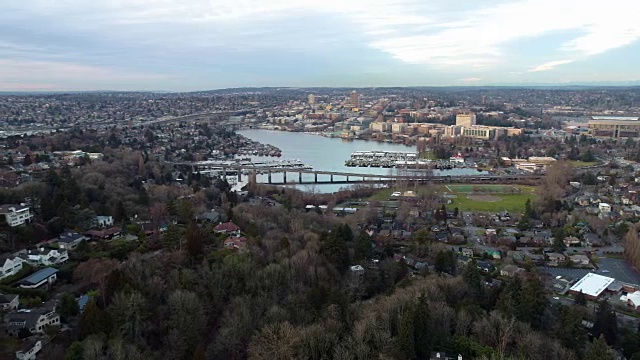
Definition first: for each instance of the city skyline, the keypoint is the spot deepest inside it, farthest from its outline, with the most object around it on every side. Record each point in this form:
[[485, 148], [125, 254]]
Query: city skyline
[[166, 45]]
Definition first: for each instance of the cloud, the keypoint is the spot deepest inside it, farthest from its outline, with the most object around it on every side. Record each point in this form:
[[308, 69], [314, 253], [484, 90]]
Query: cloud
[[40, 75], [236, 38], [550, 65]]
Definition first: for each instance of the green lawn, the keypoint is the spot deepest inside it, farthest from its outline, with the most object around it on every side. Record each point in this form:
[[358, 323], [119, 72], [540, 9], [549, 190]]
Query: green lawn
[[513, 203], [507, 200], [579, 164]]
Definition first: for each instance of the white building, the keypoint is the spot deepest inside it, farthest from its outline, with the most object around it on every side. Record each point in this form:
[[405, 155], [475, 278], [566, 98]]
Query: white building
[[44, 257], [9, 265], [104, 221], [604, 207], [591, 285], [35, 321], [16, 215], [29, 350]]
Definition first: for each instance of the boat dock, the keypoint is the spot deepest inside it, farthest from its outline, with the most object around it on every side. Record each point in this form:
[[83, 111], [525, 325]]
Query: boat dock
[[402, 159]]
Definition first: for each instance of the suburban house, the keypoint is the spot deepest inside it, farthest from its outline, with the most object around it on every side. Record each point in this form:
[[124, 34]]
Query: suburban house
[[209, 216], [493, 253], [228, 228], [16, 215], [34, 320], [44, 256], [571, 241], [555, 258], [239, 243], [467, 252], [485, 266], [43, 277], [511, 270], [70, 240], [29, 349], [9, 302], [106, 234], [580, 259], [9, 265], [103, 221]]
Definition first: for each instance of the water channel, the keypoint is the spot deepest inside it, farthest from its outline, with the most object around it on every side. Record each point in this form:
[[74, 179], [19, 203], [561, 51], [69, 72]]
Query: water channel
[[323, 153]]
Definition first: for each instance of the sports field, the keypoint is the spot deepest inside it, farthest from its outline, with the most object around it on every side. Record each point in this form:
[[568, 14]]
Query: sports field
[[489, 198]]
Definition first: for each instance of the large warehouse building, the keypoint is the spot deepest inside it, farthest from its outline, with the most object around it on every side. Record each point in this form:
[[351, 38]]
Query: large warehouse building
[[591, 285], [614, 126]]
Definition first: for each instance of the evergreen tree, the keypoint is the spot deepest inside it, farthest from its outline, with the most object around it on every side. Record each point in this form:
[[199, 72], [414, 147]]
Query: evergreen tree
[[193, 237], [335, 250], [68, 306], [599, 350], [422, 329], [362, 248], [606, 323], [94, 320], [581, 299], [405, 341]]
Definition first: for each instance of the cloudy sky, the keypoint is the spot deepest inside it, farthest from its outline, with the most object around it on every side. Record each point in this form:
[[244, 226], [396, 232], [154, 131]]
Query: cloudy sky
[[208, 44]]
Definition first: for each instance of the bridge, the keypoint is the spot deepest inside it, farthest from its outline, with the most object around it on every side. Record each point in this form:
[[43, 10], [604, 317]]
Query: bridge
[[290, 175]]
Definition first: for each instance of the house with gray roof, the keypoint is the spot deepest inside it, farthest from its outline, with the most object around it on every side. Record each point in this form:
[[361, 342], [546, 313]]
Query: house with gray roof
[[44, 277], [9, 302], [70, 240], [34, 320]]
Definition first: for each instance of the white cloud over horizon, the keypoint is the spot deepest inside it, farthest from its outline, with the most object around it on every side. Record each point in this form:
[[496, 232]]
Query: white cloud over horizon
[[282, 42]]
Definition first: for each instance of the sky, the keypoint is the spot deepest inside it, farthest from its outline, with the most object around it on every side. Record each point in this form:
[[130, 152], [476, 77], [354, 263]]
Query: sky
[[186, 45]]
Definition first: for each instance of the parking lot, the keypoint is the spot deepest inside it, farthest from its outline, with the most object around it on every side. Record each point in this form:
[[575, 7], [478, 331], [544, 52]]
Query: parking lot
[[619, 270], [614, 268], [565, 272]]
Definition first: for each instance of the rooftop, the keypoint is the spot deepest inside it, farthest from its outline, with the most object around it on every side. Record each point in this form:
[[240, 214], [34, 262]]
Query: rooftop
[[592, 284], [39, 276], [615, 118]]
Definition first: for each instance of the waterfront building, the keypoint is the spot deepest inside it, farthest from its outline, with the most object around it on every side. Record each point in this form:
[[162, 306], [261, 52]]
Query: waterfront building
[[614, 126]]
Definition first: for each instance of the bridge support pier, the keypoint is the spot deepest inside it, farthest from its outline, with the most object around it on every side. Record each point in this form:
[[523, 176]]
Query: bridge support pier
[[269, 176], [284, 177], [239, 174], [347, 178], [300, 177], [331, 177], [316, 176], [224, 174]]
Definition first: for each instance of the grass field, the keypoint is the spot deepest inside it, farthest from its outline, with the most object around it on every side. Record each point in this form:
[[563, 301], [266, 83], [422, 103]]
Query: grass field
[[579, 164], [481, 198], [490, 198]]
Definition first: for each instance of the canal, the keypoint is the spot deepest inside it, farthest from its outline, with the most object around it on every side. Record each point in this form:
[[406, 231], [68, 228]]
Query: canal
[[323, 153]]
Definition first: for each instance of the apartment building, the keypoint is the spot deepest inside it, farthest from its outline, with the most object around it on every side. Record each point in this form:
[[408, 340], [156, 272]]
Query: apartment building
[[16, 215]]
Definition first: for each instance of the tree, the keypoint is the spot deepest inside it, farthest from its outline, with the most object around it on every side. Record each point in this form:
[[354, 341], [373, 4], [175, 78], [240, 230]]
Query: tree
[[581, 299], [276, 341], [74, 352], [598, 350], [195, 244], [68, 306], [445, 262], [187, 318], [94, 320], [606, 323], [362, 248], [129, 312], [120, 213], [95, 272], [334, 248], [405, 342]]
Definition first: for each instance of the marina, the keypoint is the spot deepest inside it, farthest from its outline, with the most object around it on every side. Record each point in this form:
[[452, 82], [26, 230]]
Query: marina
[[404, 160]]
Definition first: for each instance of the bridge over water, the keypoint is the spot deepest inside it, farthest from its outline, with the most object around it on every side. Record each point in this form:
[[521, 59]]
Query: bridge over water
[[295, 175]]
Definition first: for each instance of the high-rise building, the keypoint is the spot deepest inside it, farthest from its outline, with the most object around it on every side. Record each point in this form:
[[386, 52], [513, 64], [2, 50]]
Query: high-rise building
[[312, 99], [466, 119], [355, 99]]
